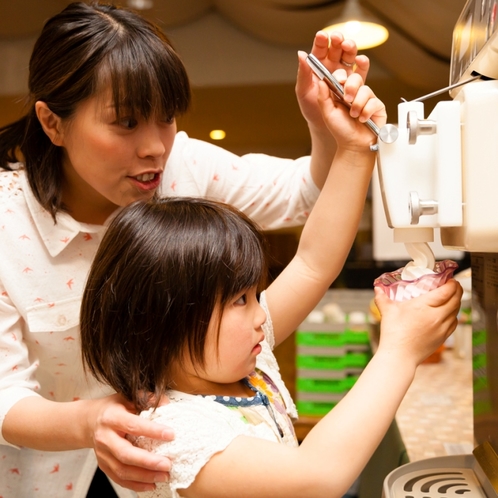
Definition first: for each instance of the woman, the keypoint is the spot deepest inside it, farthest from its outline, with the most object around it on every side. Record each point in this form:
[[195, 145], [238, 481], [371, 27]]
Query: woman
[[99, 133]]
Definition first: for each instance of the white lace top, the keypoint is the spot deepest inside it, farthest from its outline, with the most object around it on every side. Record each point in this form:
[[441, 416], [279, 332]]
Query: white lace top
[[204, 426]]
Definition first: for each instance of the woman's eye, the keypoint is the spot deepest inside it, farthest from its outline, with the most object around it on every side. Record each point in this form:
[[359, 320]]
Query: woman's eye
[[241, 300], [168, 119]]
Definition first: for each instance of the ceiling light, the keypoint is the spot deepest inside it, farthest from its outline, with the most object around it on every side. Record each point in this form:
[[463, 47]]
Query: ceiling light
[[217, 134], [140, 4], [357, 24]]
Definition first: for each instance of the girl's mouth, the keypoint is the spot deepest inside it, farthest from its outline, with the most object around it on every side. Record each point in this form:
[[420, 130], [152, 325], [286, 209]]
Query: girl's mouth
[[257, 349]]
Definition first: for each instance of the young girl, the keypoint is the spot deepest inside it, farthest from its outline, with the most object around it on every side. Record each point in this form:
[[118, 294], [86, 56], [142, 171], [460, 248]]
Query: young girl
[[173, 307], [105, 87]]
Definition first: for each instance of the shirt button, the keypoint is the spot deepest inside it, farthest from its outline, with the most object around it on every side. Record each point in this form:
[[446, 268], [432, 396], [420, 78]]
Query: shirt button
[[61, 320]]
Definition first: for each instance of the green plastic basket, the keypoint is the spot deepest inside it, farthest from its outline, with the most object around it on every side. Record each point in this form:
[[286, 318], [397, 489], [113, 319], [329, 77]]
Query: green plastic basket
[[326, 385], [313, 409], [331, 339], [349, 360]]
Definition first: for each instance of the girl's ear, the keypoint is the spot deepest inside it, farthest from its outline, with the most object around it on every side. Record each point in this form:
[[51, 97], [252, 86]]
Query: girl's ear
[[50, 122]]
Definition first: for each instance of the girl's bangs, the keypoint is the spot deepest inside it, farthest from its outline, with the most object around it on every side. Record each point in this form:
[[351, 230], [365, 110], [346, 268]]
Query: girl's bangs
[[247, 260]]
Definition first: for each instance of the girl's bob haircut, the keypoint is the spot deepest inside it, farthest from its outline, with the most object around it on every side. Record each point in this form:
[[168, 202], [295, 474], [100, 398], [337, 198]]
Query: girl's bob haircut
[[161, 271]]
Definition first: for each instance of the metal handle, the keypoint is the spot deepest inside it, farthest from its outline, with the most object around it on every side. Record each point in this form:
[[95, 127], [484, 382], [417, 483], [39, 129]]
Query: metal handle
[[335, 87]]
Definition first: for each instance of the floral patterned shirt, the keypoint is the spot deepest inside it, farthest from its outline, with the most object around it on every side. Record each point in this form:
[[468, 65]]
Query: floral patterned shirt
[[43, 268]]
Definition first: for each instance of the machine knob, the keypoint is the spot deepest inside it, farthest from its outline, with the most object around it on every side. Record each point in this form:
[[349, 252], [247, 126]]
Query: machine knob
[[388, 133], [420, 208], [418, 127]]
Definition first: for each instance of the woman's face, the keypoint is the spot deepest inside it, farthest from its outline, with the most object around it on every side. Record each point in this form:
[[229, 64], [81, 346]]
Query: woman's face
[[110, 163]]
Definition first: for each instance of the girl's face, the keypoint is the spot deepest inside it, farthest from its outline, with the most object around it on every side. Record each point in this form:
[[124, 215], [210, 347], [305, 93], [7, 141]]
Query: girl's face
[[110, 163], [231, 355]]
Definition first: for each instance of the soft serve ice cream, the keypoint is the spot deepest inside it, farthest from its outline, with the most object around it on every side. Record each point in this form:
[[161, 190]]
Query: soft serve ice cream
[[419, 276], [412, 271], [423, 261]]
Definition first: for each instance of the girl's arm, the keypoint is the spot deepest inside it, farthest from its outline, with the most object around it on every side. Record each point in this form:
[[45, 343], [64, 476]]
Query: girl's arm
[[330, 50], [332, 225], [335, 451]]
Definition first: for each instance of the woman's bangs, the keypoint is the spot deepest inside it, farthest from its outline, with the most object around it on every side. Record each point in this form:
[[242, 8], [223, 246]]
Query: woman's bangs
[[147, 81]]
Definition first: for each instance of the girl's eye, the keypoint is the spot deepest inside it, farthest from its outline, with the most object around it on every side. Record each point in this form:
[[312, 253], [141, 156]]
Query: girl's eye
[[168, 119], [128, 123], [242, 300]]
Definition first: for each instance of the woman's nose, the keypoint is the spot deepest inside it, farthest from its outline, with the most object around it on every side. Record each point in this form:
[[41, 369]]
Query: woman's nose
[[152, 141]]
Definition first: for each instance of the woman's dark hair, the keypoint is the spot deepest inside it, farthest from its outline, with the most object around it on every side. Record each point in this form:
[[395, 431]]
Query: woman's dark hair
[[79, 52], [159, 273]]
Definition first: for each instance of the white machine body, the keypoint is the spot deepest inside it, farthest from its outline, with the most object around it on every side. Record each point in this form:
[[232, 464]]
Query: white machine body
[[442, 171], [478, 110], [427, 171]]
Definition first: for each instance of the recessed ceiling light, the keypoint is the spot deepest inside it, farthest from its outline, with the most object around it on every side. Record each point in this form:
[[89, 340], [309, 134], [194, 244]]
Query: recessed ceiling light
[[140, 4], [217, 134]]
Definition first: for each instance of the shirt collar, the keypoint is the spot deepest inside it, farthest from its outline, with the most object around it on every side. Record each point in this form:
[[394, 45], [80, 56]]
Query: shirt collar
[[55, 236]]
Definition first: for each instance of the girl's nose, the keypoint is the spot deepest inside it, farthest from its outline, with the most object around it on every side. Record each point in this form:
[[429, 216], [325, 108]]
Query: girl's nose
[[260, 317]]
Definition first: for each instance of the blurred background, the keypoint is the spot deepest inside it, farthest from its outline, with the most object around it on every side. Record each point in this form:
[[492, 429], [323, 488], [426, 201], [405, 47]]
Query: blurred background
[[241, 56]]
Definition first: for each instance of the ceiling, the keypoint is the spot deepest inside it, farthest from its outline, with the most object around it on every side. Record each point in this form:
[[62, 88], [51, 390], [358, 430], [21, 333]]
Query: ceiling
[[241, 56]]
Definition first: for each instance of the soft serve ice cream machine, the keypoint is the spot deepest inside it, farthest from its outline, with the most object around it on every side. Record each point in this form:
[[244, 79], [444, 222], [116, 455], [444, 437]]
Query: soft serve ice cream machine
[[441, 171]]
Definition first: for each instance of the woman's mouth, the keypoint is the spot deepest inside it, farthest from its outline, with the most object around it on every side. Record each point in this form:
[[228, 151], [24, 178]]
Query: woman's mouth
[[146, 181], [146, 177]]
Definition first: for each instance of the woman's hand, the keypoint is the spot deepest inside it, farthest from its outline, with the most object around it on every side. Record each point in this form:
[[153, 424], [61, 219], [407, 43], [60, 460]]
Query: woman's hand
[[414, 329], [110, 421], [335, 53]]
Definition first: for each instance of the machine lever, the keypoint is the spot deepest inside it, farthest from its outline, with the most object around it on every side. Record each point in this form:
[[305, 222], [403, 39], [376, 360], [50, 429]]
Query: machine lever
[[445, 89], [335, 87]]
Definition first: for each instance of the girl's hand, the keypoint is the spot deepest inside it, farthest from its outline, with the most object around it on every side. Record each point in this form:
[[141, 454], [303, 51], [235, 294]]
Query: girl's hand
[[347, 124], [332, 51], [110, 422], [414, 329]]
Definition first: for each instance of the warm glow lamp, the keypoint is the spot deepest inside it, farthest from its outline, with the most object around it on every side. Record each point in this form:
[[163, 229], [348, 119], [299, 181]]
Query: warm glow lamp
[[217, 134], [358, 25]]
